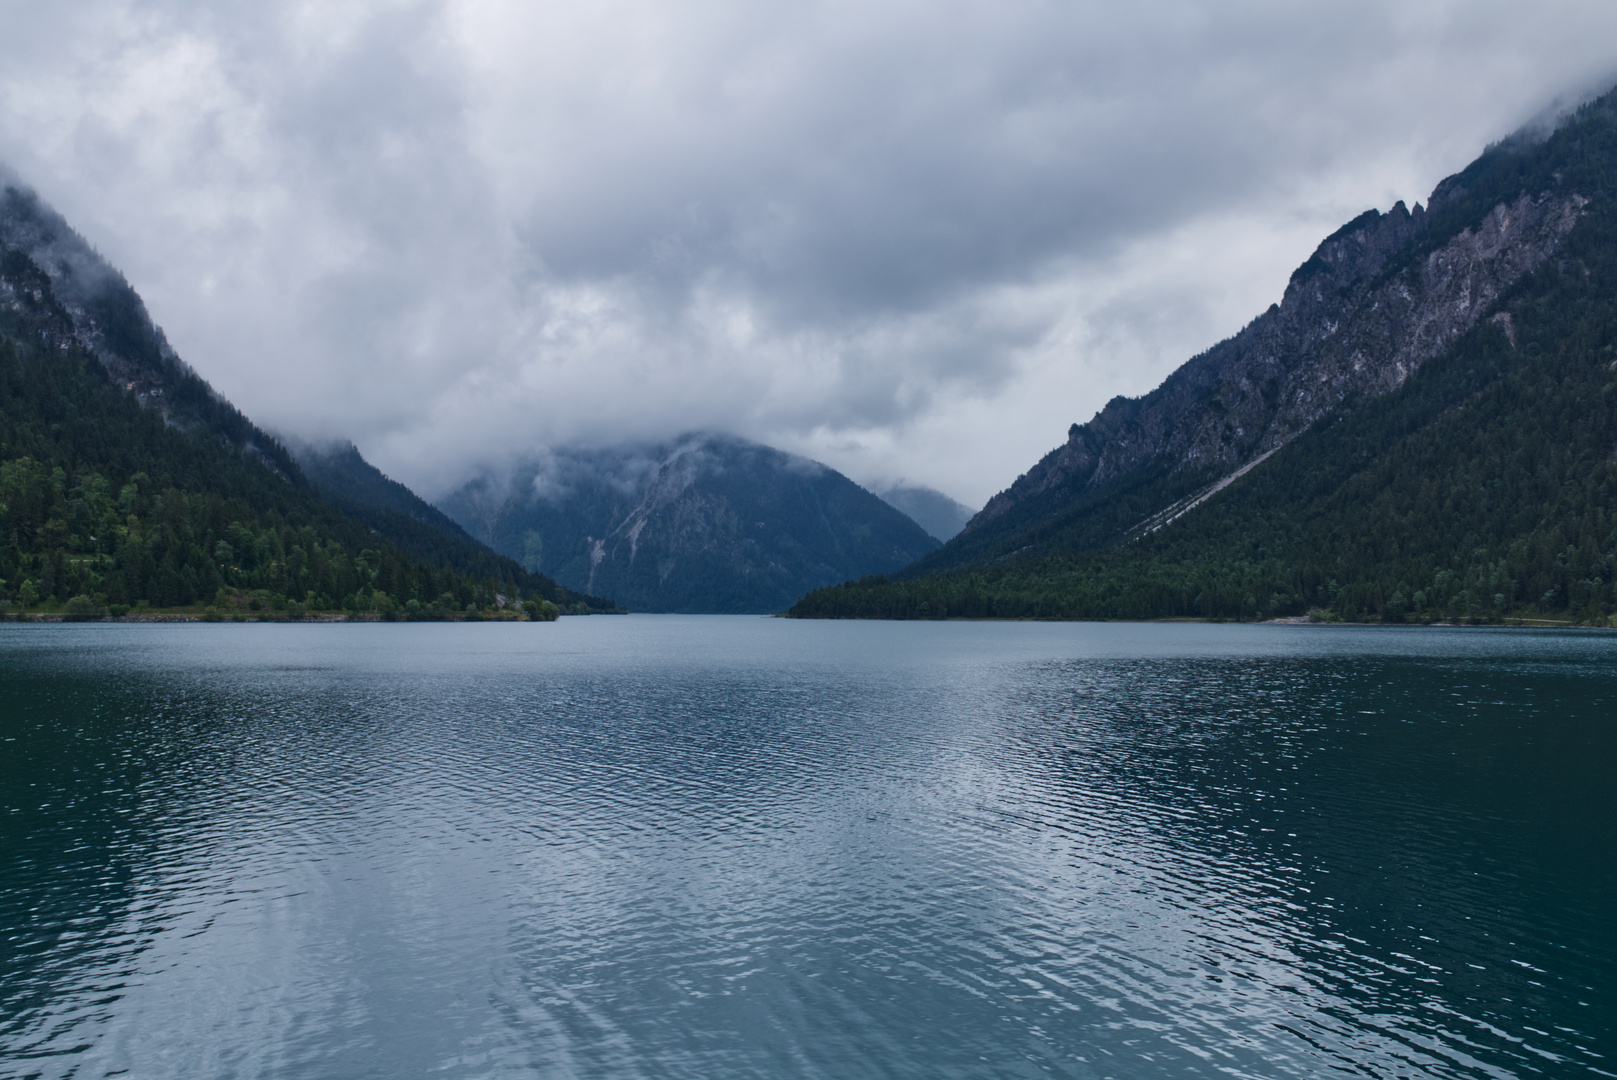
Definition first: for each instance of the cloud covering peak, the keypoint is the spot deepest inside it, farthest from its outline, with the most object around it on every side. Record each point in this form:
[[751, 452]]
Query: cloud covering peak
[[908, 239]]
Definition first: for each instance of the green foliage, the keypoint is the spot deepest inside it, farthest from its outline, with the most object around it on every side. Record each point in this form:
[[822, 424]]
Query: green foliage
[[542, 610], [79, 608]]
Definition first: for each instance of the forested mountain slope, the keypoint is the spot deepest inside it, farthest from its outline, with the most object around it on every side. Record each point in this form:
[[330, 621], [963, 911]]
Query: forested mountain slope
[[706, 523], [1423, 428], [125, 481]]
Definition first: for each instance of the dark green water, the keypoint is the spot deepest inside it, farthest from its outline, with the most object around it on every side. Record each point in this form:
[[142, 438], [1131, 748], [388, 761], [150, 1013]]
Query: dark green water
[[736, 847]]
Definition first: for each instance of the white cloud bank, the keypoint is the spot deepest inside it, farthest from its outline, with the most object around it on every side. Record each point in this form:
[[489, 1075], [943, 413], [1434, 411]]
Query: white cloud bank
[[912, 240]]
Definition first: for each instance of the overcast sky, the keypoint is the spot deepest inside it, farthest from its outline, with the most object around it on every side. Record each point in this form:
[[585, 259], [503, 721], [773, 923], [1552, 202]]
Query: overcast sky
[[911, 240]]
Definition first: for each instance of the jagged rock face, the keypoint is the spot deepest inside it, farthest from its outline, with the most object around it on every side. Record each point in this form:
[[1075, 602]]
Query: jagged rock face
[[1357, 319], [705, 524], [29, 309]]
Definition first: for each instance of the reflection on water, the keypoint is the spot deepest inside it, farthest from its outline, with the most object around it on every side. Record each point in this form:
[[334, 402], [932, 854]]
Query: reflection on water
[[734, 847]]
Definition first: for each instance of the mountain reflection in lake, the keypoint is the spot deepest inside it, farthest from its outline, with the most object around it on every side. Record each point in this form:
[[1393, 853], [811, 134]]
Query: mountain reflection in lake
[[736, 847]]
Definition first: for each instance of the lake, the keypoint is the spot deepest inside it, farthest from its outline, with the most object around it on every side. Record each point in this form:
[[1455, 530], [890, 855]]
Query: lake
[[723, 847]]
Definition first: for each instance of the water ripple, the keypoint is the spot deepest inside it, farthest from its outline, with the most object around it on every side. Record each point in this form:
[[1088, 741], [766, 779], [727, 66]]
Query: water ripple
[[720, 847]]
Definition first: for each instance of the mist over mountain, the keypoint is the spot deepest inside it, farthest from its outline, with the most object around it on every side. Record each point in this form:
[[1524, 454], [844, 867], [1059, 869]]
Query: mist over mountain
[[941, 516], [344, 478], [126, 482], [1422, 427], [705, 523]]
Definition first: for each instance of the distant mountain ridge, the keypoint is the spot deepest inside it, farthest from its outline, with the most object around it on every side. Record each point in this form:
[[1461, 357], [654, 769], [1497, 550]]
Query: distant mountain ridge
[[1461, 353], [941, 516], [704, 523]]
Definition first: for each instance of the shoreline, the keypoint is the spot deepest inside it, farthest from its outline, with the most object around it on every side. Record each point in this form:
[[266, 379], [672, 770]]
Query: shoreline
[[1286, 620], [55, 618]]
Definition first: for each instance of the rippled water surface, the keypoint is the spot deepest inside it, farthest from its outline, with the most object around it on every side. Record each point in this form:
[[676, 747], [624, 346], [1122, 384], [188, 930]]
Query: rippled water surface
[[660, 846]]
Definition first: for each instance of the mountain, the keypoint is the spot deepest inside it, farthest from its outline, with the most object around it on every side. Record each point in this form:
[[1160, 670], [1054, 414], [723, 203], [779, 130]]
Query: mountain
[[929, 508], [61, 295], [1421, 428], [706, 523], [125, 480]]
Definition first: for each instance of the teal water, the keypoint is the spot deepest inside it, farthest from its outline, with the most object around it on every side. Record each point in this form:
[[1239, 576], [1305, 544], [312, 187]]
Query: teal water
[[735, 847]]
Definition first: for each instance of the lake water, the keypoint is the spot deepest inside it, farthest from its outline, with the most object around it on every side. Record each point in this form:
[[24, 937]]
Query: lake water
[[663, 846]]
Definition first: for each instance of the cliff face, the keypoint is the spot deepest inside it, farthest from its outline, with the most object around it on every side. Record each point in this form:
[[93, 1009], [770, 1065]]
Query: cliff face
[[706, 523], [1358, 318]]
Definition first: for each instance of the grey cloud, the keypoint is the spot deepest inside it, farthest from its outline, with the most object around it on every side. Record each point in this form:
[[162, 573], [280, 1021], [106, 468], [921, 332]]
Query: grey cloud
[[904, 237], [898, 176]]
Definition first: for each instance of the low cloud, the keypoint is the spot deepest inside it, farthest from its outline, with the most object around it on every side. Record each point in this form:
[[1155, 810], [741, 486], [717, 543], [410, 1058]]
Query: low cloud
[[906, 239]]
